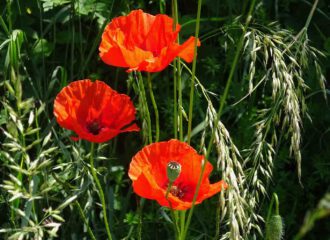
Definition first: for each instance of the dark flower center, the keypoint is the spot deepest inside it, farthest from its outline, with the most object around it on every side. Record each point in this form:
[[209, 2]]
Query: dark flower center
[[176, 191], [94, 128]]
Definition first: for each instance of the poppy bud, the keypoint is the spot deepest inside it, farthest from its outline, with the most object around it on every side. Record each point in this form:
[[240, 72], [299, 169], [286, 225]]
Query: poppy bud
[[173, 170], [274, 228]]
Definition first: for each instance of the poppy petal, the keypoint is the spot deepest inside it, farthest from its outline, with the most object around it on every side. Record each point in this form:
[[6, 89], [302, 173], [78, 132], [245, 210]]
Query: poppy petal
[[148, 171], [135, 27], [83, 107], [161, 34], [133, 128], [186, 50], [143, 42], [214, 189]]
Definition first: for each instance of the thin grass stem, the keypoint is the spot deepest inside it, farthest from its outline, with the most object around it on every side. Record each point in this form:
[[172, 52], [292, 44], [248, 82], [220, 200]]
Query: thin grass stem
[[183, 224], [184, 233], [174, 214], [140, 213], [217, 219], [177, 86], [178, 67], [192, 83], [72, 57], [231, 75], [145, 104], [154, 104], [67, 187], [175, 105], [212, 19], [95, 44], [101, 194], [182, 219], [83, 217], [222, 102], [4, 26], [177, 73]]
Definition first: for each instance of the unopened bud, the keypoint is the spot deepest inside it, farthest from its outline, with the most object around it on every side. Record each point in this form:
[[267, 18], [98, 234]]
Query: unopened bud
[[275, 228], [173, 170]]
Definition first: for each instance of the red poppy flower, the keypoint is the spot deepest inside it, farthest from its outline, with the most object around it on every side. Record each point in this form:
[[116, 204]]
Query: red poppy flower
[[148, 171], [143, 42], [94, 111]]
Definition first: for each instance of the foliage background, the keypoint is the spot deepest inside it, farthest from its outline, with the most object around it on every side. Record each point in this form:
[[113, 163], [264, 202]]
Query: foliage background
[[59, 45]]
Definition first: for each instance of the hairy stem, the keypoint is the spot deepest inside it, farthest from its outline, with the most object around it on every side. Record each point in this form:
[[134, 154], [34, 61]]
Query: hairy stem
[[145, 105], [83, 217], [101, 194], [175, 105], [184, 233], [173, 214], [154, 104], [177, 78], [192, 83]]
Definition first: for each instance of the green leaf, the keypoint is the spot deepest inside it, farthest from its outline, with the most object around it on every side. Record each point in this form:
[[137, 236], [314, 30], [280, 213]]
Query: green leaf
[[67, 202], [43, 47]]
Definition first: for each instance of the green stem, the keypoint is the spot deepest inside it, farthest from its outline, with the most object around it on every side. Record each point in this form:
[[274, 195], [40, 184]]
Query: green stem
[[192, 83], [304, 29], [212, 19], [217, 219], [162, 6], [224, 97], [145, 105], [308, 21], [277, 211], [231, 75], [9, 15], [184, 233], [95, 44], [177, 79], [67, 187], [175, 223], [182, 220], [177, 73], [83, 217], [154, 104], [173, 214], [270, 210], [140, 211], [178, 67], [184, 224], [4, 26], [175, 105], [101, 194]]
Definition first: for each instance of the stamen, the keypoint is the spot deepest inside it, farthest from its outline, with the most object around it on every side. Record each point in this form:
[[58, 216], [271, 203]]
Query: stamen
[[176, 191]]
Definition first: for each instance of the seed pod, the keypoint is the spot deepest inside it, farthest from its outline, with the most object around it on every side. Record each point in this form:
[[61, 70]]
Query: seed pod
[[173, 170]]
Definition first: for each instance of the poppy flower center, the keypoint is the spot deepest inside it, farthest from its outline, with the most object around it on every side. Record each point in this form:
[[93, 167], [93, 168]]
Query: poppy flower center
[[176, 191], [94, 127]]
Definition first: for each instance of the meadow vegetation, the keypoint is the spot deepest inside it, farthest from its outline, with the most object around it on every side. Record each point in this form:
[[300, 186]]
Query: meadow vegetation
[[252, 99]]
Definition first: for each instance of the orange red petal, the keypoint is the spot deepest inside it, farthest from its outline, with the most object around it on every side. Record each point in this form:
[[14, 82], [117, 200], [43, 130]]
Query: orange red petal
[[148, 173], [143, 42], [94, 111]]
